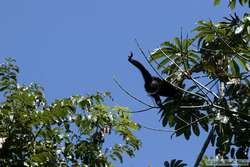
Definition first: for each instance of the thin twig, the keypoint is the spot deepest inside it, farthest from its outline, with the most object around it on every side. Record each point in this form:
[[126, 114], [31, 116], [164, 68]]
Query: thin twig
[[178, 117], [40, 129], [144, 55], [203, 76], [194, 107], [209, 84], [139, 111], [138, 45], [194, 80], [231, 111], [235, 52], [216, 81], [191, 123], [130, 95], [203, 86], [155, 129], [246, 77]]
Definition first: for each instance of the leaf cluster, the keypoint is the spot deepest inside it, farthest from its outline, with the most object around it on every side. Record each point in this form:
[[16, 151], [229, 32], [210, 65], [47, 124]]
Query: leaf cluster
[[232, 3], [212, 68], [174, 163], [68, 132]]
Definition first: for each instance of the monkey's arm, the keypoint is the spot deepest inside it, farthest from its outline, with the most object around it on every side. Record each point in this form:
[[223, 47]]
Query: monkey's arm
[[146, 75], [157, 100]]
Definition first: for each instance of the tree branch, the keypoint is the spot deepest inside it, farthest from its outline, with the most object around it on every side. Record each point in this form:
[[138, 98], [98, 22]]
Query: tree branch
[[201, 118], [198, 84], [155, 129], [139, 111], [144, 55], [130, 95], [204, 148], [194, 107]]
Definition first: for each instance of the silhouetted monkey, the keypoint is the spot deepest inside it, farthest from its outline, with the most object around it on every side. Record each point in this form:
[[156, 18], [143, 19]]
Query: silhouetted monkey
[[155, 86]]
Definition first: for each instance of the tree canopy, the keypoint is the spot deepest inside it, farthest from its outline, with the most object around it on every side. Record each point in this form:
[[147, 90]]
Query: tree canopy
[[68, 132], [212, 68]]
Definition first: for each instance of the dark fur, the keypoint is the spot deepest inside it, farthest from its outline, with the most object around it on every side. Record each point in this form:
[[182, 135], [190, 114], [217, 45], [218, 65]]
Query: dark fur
[[155, 86]]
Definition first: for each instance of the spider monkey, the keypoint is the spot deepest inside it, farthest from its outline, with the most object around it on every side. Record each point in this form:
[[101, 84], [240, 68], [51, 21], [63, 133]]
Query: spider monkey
[[155, 86]]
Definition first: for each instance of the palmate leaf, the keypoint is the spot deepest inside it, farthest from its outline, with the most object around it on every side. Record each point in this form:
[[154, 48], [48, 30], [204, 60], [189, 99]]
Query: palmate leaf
[[159, 53], [177, 117], [174, 163], [178, 51], [169, 45], [196, 129]]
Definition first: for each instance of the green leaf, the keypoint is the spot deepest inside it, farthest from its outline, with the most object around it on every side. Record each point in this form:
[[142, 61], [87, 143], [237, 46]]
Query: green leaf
[[242, 2], [165, 119], [235, 68], [171, 120], [216, 2], [166, 164], [163, 63], [196, 129], [177, 42], [244, 64], [169, 45], [157, 54], [160, 53], [187, 133], [174, 163], [204, 125], [248, 27], [119, 156], [3, 88], [232, 4]]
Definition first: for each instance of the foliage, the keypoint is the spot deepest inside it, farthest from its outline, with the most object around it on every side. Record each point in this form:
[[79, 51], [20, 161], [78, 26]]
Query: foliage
[[68, 132], [213, 70], [174, 163], [232, 3]]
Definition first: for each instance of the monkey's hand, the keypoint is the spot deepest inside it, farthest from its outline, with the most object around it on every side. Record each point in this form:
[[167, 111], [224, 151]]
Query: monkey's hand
[[130, 56]]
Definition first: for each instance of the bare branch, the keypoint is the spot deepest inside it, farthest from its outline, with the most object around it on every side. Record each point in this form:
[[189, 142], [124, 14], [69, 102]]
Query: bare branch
[[201, 118], [194, 80], [139, 111], [130, 95], [216, 81], [155, 129], [144, 55], [204, 148], [178, 117], [203, 76], [194, 107]]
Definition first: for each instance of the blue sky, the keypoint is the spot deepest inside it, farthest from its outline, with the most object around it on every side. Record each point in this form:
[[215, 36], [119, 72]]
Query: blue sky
[[77, 47]]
